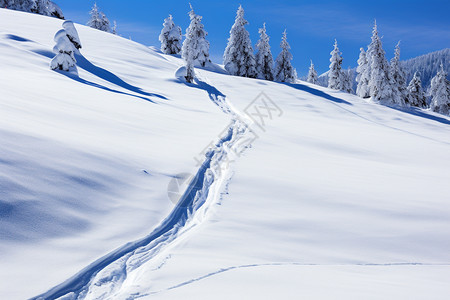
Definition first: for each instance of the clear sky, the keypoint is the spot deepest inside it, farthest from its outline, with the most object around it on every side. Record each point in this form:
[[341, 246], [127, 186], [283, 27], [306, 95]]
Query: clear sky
[[422, 26]]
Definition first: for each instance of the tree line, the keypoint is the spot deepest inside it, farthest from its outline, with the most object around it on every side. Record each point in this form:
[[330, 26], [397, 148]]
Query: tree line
[[239, 57], [377, 79], [385, 82]]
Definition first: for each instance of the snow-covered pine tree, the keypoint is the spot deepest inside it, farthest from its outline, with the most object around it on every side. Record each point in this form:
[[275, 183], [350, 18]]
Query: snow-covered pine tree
[[170, 37], [106, 24], [64, 50], [72, 34], [114, 28], [363, 75], [398, 78], [416, 95], [238, 57], [47, 8], [264, 58], [379, 83], [190, 72], [335, 75], [440, 92], [42, 7], [347, 83], [21, 5], [312, 74], [196, 41], [284, 71], [99, 20], [95, 20]]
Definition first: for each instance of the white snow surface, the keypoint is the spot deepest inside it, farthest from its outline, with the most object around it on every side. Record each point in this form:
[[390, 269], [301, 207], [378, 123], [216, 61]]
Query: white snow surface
[[337, 198]]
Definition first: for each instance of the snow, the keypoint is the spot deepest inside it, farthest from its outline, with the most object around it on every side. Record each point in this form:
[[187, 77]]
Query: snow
[[74, 150], [336, 193], [334, 198]]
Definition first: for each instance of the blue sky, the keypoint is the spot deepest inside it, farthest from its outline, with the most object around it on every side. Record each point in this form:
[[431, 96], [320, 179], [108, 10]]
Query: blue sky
[[422, 26]]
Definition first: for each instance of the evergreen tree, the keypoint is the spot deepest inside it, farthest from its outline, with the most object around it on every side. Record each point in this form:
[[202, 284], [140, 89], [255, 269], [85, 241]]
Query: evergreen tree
[[379, 83], [190, 72], [347, 83], [72, 34], [264, 58], [440, 93], [284, 71], [398, 78], [238, 57], [42, 7], [114, 28], [170, 37], [312, 74], [335, 75], [106, 25], [95, 21], [99, 20], [416, 95], [196, 41], [64, 50], [363, 75]]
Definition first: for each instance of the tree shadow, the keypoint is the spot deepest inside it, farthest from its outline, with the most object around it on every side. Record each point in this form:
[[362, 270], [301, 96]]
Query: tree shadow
[[84, 81], [315, 92], [420, 113], [17, 38], [213, 93], [106, 75]]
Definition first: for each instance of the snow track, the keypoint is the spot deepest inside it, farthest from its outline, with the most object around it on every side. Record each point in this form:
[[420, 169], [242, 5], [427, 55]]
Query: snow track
[[281, 264], [105, 277]]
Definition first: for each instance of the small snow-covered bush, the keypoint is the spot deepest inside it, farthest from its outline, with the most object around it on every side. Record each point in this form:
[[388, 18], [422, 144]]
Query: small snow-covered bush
[[72, 34], [64, 50]]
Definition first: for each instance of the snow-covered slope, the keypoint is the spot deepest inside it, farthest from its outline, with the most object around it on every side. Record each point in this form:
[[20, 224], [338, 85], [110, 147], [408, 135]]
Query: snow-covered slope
[[85, 162], [331, 197]]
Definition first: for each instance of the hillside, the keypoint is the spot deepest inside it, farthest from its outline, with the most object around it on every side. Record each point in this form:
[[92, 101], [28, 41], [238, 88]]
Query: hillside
[[305, 192]]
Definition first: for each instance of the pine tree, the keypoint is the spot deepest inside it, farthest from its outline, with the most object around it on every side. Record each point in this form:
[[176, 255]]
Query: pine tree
[[190, 72], [416, 95], [379, 84], [284, 71], [398, 78], [114, 28], [196, 41], [99, 20], [64, 50], [347, 83], [170, 37], [335, 75], [95, 21], [264, 58], [363, 75], [312, 74], [238, 57], [42, 7], [106, 25], [440, 92], [72, 34]]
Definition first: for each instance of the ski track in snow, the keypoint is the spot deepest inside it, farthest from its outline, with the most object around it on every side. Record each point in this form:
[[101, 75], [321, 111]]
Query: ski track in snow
[[281, 264], [103, 278]]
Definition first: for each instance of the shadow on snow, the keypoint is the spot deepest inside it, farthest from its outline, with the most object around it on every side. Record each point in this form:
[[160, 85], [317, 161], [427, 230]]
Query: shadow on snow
[[315, 92], [106, 75]]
